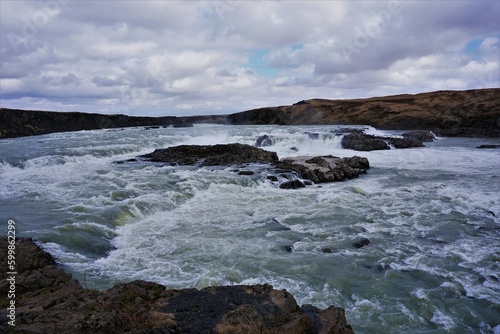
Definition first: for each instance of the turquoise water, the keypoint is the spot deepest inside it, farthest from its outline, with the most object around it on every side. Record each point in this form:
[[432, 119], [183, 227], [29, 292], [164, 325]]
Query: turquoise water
[[431, 214]]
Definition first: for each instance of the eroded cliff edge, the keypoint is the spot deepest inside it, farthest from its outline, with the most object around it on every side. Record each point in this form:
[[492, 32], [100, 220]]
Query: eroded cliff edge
[[48, 300]]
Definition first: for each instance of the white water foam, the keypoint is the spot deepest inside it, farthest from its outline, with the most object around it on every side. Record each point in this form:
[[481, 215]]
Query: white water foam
[[431, 215]]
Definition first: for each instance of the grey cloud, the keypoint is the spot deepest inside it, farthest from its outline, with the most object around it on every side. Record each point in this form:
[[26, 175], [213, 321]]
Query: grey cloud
[[107, 82], [189, 56]]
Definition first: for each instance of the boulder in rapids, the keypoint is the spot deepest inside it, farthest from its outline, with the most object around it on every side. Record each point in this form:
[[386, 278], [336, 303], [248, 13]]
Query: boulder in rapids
[[326, 168]]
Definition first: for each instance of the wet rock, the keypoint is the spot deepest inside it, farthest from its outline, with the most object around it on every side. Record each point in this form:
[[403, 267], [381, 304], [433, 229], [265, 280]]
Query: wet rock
[[289, 248], [246, 172], [364, 142], [292, 184], [297, 171], [326, 168], [383, 266], [120, 162], [488, 146], [420, 135], [294, 149], [272, 178], [48, 300], [327, 250], [312, 135], [433, 239], [361, 243], [343, 131], [264, 141], [212, 155], [404, 142]]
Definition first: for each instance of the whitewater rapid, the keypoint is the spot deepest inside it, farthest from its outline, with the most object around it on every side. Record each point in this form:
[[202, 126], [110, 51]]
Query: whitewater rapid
[[431, 214]]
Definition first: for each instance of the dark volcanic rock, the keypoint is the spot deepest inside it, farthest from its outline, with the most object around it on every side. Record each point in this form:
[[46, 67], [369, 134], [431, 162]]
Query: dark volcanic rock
[[48, 300], [229, 154], [420, 135], [264, 141], [364, 142], [488, 146], [246, 172], [361, 243], [312, 135], [405, 142], [326, 168], [297, 172], [292, 184]]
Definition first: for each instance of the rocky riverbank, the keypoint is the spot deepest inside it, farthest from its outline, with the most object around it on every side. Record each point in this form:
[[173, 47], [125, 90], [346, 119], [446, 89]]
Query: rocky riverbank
[[471, 113], [49, 300], [19, 123]]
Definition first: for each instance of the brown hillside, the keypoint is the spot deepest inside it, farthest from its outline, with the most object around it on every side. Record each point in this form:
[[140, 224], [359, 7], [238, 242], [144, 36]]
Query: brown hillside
[[471, 112]]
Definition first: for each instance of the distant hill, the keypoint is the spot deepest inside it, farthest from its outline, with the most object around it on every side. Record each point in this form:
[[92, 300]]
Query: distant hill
[[448, 113], [469, 113], [18, 123]]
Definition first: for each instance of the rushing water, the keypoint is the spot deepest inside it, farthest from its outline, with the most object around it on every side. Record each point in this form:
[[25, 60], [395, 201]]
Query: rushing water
[[432, 215]]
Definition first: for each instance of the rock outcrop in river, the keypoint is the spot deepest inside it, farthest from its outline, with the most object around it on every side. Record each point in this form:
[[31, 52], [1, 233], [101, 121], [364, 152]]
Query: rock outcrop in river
[[319, 169], [48, 300], [212, 155], [360, 141], [328, 168]]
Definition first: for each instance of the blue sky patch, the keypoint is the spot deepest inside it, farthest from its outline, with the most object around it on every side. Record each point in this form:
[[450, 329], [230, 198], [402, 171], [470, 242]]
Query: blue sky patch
[[258, 64]]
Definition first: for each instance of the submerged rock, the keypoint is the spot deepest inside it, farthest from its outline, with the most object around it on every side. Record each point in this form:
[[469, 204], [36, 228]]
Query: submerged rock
[[48, 300], [212, 155]]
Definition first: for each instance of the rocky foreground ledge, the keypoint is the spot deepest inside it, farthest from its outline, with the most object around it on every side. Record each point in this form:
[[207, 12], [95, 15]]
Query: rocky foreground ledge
[[48, 300]]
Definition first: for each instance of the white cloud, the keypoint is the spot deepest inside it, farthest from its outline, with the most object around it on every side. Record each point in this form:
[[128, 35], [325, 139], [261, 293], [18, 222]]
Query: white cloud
[[195, 57]]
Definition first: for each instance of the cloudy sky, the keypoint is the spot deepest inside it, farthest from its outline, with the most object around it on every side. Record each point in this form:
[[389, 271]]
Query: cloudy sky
[[212, 57]]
